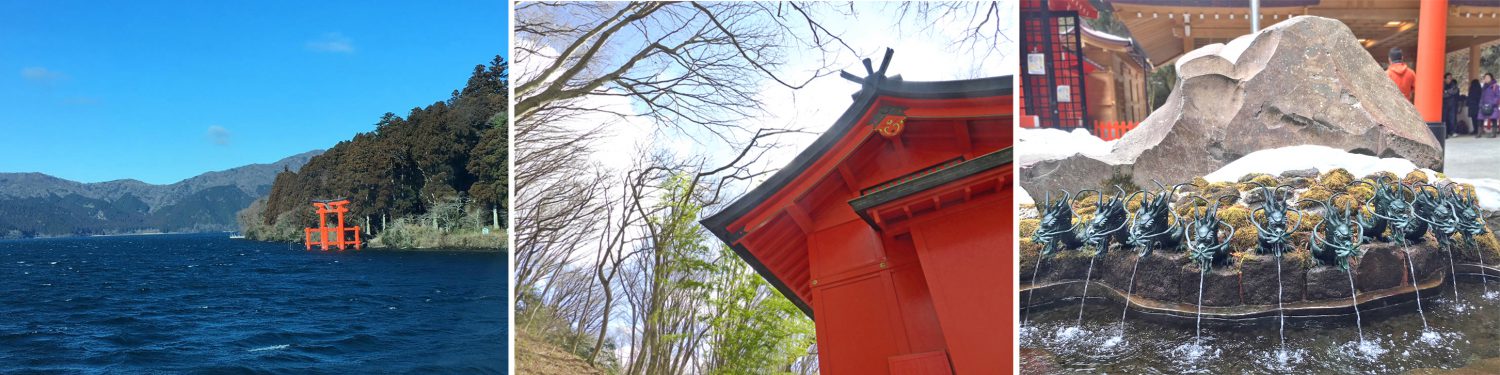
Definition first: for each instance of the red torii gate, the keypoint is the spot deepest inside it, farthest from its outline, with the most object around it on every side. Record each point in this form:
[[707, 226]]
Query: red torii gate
[[337, 236]]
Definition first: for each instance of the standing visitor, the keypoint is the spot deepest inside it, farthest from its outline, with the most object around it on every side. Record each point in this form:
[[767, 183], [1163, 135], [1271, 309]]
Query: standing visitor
[[1489, 104], [1473, 102], [1404, 77], [1450, 103]]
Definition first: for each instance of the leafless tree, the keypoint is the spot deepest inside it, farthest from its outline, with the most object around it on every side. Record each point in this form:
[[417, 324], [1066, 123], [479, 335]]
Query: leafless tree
[[688, 67], [597, 247], [981, 26]]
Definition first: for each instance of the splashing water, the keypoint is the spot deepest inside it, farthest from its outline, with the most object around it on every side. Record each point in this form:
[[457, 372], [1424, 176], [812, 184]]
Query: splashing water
[[1353, 295], [1198, 330], [1282, 360], [1128, 290], [1025, 309], [1367, 350], [1416, 288], [1453, 274], [1280, 314], [1484, 276], [1194, 355], [1085, 298], [1432, 338]]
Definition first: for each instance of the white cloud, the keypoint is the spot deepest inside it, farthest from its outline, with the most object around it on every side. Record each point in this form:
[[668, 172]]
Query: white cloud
[[331, 43], [218, 135], [42, 75]]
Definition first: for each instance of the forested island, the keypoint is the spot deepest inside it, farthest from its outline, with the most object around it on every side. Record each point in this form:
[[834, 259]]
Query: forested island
[[435, 178]]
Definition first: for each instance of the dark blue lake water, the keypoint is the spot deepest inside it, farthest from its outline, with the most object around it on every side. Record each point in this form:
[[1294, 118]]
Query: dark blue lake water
[[205, 303]]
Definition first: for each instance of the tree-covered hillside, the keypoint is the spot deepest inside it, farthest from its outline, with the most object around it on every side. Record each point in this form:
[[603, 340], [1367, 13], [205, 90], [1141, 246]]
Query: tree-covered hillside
[[449, 155], [35, 204]]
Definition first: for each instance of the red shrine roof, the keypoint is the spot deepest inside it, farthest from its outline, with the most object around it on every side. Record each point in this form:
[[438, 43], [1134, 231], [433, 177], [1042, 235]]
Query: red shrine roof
[[853, 168]]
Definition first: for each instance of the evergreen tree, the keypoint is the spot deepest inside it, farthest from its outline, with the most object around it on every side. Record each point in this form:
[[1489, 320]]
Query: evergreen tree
[[434, 154]]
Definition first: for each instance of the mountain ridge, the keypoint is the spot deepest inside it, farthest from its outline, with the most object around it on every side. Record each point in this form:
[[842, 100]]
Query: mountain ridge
[[37, 184], [37, 204]]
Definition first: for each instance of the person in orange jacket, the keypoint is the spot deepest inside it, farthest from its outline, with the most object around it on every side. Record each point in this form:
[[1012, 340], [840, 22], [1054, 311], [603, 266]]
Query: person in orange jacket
[[1404, 77]]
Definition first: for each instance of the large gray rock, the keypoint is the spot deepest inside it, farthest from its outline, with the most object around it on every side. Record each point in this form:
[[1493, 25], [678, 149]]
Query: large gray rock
[[1304, 81]]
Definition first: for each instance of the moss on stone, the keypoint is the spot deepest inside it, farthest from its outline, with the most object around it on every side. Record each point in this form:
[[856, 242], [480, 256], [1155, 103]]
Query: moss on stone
[[1217, 190], [1086, 203], [1028, 251], [1317, 193], [1302, 257], [1123, 181], [1029, 227], [1266, 180], [1416, 176], [1346, 201], [1244, 232], [1134, 203], [1361, 192], [1489, 244], [1200, 182], [1336, 179], [1375, 177]]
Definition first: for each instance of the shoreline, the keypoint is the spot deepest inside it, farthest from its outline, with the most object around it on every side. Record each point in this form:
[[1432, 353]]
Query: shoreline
[[396, 249], [226, 236], [49, 237]]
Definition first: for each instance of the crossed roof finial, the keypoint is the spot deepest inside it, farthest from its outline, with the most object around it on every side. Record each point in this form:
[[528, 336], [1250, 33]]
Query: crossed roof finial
[[872, 76]]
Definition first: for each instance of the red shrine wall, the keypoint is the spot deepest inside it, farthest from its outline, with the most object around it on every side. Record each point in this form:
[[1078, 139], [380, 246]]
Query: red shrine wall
[[884, 285], [891, 296], [884, 298], [963, 254]]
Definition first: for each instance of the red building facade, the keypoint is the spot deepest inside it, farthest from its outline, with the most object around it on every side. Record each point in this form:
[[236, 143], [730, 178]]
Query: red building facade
[[893, 230], [1054, 71]]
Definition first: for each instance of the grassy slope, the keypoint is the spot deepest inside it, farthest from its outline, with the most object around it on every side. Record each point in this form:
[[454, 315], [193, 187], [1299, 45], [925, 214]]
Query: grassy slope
[[535, 356]]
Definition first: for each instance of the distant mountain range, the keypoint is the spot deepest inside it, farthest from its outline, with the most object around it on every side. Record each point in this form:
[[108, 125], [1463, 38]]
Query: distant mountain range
[[36, 204]]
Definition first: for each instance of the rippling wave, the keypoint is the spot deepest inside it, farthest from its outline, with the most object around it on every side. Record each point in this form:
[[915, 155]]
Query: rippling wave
[[204, 303]]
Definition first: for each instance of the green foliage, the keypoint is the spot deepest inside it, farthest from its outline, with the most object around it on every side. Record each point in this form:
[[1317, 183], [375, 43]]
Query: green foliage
[[757, 330], [754, 329], [489, 166], [445, 150], [445, 225], [1159, 85]]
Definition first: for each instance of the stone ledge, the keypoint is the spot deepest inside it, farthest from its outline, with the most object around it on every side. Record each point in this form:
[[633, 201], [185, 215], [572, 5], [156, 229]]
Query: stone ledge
[[1369, 302], [1166, 286]]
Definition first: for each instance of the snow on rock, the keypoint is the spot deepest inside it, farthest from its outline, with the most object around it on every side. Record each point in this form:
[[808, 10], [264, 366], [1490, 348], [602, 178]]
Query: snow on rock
[[1022, 197], [1277, 160], [1324, 158], [1049, 144], [1488, 190]]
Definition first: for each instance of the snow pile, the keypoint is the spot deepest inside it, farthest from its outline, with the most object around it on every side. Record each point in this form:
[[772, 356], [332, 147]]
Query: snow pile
[[1323, 158], [1488, 190], [1050, 144], [1277, 160]]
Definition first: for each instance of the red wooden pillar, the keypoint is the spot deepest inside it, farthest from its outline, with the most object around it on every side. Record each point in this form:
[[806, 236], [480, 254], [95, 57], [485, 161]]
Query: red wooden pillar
[[1432, 34]]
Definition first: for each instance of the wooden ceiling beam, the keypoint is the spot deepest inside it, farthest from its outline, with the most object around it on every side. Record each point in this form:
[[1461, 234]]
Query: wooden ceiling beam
[[1474, 31]]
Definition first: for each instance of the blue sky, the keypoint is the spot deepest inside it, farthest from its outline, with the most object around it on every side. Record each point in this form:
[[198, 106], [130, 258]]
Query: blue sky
[[161, 91]]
